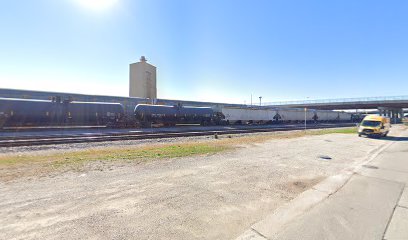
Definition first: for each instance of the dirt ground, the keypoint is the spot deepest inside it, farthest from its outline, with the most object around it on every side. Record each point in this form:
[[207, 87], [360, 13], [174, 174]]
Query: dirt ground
[[202, 197]]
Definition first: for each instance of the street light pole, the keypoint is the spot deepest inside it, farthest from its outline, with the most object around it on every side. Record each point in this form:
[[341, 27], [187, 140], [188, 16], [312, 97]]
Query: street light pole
[[260, 100], [306, 114]]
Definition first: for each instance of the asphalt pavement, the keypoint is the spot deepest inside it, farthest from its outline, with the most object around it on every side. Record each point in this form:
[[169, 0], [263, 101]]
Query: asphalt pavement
[[368, 202]]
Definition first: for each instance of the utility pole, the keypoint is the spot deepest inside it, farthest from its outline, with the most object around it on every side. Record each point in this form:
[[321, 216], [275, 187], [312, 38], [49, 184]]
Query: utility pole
[[305, 117], [306, 113]]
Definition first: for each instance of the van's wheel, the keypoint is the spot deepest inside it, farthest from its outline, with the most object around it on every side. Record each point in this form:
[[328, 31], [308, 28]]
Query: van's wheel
[[359, 135]]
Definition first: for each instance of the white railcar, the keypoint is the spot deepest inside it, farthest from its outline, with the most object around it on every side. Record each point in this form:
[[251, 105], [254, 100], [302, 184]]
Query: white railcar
[[345, 116], [324, 116], [327, 116], [248, 115], [332, 116], [292, 115], [281, 115]]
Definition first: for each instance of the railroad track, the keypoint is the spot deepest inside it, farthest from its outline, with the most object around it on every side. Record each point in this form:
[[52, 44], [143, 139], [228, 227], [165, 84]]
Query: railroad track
[[66, 139]]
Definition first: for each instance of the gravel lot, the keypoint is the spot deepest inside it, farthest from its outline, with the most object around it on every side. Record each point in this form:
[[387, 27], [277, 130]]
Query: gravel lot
[[204, 197]]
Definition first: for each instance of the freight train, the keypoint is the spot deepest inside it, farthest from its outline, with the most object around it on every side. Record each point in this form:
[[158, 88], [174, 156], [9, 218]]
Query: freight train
[[57, 112]]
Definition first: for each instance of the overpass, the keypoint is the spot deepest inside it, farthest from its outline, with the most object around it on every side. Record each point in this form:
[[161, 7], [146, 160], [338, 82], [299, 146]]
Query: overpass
[[388, 106]]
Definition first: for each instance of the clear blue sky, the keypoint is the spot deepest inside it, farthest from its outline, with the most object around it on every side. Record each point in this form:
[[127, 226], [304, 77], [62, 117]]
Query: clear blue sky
[[214, 50]]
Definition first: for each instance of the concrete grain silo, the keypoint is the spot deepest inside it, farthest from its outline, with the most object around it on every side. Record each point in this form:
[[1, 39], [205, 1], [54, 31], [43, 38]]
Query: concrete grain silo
[[142, 80]]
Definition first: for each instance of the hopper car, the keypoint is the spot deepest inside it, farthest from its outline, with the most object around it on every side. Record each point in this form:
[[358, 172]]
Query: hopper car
[[281, 115]]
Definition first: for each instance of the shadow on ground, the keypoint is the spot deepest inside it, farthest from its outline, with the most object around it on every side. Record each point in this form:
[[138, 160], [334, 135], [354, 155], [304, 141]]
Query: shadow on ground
[[396, 139]]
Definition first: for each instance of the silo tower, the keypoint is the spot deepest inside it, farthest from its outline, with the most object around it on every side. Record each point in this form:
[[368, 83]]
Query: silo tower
[[142, 79]]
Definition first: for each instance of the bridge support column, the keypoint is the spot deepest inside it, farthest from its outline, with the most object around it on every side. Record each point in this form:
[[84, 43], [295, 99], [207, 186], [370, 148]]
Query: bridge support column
[[400, 114], [385, 112], [395, 114]]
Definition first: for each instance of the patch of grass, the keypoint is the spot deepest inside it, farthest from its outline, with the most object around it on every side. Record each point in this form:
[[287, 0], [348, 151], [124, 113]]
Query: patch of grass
[[351, 130]]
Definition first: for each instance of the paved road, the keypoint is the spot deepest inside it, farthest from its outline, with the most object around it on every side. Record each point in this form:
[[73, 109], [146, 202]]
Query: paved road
[[373, 204]]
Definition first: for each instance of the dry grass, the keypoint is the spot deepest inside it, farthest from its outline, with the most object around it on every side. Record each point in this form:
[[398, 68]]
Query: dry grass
[[114, 154], [260, 138], [29, 165]]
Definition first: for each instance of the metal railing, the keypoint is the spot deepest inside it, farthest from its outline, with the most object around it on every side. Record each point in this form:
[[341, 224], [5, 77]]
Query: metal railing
[[337, 100]]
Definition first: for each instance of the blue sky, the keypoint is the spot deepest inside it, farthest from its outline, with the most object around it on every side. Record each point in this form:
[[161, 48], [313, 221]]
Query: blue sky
[[210, 50]]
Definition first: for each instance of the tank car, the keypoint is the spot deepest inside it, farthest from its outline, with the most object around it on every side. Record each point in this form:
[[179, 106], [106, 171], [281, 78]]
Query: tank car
[[94, 113], [23, 112], [34, 113], [172, 115]]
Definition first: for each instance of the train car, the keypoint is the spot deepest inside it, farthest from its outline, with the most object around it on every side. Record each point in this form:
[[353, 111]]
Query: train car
[[23, 112], [288, 115], [94, 113], [36, 113], [172, 115], [248, 115], [322, 116], [345, 117], [333, 116]]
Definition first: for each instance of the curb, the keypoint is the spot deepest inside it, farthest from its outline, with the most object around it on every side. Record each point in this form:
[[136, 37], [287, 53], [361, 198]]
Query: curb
[[273, 223]]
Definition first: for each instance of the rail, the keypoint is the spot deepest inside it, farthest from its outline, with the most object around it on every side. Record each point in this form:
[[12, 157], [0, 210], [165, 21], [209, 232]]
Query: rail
[[51, 140]]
